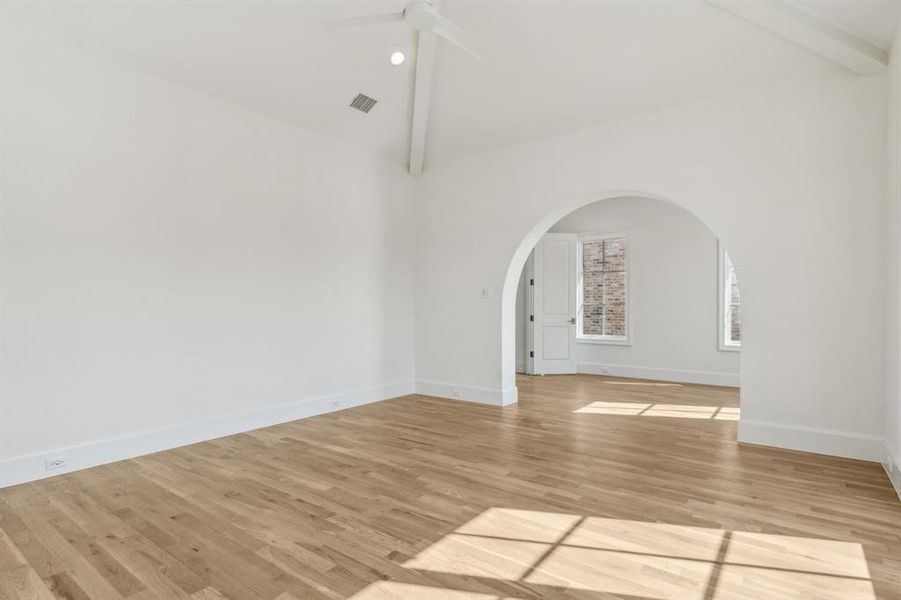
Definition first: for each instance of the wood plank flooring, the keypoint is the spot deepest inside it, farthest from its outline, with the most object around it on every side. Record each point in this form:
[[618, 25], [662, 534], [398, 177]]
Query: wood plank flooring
[[591, 488]]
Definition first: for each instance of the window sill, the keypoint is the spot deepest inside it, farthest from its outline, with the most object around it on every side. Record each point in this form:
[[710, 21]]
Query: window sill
[[724, 348], [603, 342]]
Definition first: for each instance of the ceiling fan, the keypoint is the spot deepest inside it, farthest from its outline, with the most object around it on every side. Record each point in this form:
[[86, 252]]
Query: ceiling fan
[[422, 16]]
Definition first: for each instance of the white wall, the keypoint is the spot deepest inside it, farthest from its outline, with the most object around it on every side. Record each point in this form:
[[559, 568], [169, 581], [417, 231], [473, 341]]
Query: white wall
[[177, 268], [892, 455], [522, 349], [673, 292], [790, 177]]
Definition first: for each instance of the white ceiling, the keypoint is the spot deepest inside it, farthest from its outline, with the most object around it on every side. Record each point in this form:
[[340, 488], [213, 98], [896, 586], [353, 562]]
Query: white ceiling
[[551, 66]]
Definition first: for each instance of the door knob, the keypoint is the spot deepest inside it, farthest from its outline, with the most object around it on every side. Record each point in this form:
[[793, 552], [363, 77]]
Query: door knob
[[573, 320]]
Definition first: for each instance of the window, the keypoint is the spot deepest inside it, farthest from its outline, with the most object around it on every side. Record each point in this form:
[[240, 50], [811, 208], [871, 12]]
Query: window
[[730, 305], [603, 294]]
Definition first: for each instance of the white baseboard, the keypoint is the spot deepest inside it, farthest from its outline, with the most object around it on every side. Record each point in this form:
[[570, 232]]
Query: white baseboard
[[30, 467], [892, 465], [521, 366], [811, 439], [469, 393], [661, 374]]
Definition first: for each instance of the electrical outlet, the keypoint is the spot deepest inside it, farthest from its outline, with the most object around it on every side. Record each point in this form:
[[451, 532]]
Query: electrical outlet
[[52, 464], [335, 404], [456, 393], [486, 293]]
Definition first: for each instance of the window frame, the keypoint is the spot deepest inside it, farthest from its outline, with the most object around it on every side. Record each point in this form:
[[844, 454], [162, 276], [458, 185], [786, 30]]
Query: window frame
[[610, 340], [723, 345]]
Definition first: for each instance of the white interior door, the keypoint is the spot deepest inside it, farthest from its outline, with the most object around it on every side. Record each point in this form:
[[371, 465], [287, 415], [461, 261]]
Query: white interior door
[[554, 325], [530, 314]]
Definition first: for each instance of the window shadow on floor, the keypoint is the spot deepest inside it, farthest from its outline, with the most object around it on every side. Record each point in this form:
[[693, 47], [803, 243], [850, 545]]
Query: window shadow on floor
[[549, 553], [679, 411]]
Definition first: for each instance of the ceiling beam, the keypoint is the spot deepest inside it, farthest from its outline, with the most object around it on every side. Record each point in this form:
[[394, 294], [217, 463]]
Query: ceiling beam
[[422, 94], [808, 31]]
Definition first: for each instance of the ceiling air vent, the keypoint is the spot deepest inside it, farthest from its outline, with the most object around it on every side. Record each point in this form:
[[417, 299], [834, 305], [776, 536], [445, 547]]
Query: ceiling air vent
[[363, 103]]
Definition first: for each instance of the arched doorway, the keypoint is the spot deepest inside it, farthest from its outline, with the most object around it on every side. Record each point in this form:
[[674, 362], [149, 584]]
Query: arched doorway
[[703, 319]]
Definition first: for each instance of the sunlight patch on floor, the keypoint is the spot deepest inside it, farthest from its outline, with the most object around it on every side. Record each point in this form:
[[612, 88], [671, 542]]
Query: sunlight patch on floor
[[643, 383], [728, 413], [480, 556], [614, 408], [654, 560], [679, 411], [393, 590]]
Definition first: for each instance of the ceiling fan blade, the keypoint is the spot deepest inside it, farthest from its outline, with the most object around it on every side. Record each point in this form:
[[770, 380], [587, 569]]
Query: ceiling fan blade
[[458, 36], [363, 21]]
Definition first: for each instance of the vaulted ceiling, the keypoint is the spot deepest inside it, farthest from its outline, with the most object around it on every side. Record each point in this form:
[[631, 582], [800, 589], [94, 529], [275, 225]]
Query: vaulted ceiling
[[550, 67]]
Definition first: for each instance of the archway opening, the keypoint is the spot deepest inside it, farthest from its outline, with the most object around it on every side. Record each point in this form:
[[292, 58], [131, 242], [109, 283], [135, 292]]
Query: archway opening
[[635, 297]]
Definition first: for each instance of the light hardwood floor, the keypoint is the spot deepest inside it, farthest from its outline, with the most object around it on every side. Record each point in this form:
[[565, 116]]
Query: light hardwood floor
[[591, 488]]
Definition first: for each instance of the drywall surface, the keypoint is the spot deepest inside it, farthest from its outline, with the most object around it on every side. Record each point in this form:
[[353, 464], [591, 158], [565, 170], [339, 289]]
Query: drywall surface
[[672, 294], [892, 453], [176, 268], [790, 178], [522, 349]]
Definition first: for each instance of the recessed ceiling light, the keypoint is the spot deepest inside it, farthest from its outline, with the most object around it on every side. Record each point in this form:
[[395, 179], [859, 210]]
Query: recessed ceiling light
[[397, 58]]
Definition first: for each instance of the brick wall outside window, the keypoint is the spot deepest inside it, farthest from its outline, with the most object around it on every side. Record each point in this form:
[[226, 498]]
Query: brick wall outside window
[[733, 306], [604, 287]]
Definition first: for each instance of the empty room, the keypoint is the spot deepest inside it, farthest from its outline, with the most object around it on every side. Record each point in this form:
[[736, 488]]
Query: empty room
[[450, 300]]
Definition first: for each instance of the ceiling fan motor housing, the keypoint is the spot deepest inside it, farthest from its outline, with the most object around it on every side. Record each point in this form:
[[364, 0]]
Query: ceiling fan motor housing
[[421, 15]]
